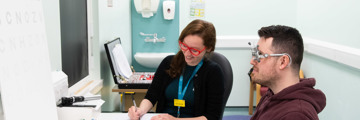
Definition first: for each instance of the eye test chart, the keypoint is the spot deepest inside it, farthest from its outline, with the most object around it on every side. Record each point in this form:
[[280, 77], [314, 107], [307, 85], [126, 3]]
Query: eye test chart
[[25, 75]]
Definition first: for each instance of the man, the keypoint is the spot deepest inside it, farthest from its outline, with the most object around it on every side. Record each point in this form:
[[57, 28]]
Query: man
[[276, 64]]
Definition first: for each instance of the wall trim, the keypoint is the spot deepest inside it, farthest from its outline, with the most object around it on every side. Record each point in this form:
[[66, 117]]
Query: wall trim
[[235, 42], [335, 52], [338, 53]]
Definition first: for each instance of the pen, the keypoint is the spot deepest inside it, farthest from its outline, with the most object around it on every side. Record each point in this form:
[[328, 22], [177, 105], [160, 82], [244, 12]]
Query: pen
[[132, 96]]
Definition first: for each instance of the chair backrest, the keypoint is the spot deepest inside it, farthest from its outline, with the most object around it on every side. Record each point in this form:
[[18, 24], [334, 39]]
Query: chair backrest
[[227, 72]]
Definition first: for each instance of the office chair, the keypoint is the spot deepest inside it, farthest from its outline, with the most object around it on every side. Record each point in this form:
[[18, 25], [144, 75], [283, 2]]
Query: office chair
[[260, 91], [227, 72]]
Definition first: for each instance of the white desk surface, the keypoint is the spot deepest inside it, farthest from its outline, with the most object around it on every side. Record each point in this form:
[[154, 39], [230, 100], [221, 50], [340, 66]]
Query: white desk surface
[[123, 116]]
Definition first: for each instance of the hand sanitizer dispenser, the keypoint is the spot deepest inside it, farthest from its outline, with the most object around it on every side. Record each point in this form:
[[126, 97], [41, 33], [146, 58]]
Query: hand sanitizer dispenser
[[169, 10]]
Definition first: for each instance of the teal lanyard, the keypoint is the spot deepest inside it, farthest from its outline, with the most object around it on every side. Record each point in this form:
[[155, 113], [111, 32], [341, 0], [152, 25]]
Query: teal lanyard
[[181, 92]]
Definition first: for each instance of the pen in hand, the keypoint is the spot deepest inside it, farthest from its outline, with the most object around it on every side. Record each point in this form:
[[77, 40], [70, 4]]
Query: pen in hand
[[132, 96]]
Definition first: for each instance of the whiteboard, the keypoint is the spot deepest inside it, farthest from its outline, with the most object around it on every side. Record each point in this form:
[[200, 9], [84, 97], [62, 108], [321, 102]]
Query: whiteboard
[[25, 78]]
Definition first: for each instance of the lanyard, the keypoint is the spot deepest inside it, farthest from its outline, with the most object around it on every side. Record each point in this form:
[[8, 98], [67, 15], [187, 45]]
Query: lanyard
[[181, 92]]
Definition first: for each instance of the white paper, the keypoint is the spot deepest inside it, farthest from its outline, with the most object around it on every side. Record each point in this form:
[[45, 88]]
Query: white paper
[[197, 8], [124, 116], [121, 63]]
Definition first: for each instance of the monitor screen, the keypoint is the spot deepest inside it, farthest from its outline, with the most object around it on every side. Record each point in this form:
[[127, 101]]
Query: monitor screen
[[74, 40]]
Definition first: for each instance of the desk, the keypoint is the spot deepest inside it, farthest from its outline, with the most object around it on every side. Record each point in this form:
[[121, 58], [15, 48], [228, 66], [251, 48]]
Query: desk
[[126, 101], [116, 89], [123, 116]]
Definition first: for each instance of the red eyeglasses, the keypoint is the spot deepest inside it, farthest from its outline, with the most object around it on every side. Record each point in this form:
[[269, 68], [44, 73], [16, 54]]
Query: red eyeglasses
[[193, 51]]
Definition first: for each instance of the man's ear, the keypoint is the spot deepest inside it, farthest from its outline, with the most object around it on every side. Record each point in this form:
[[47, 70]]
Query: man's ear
[[284, 62]]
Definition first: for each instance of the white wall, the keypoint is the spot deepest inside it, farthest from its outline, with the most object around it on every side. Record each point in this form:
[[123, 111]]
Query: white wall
[[52, 26], [339, 83], [112, 22], [333, 21], [241, 17]]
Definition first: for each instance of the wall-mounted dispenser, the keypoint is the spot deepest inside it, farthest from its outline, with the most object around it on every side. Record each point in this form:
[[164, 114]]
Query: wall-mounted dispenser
[[169, 9], [146, 8]]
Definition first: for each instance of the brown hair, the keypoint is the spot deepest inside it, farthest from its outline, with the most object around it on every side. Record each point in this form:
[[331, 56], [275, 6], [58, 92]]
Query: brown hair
[[201, 28], [285, 40]]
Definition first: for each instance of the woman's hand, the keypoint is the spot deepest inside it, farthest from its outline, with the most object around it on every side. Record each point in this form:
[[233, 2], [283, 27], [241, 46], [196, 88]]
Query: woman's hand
[[134, 114], [163, 117]]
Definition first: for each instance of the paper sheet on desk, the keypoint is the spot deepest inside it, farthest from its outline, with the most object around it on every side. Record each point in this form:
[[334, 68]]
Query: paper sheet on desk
[[147, 116], [124, 116]]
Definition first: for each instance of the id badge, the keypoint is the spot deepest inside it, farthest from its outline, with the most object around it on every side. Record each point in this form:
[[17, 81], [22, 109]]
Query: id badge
[[179, 103]]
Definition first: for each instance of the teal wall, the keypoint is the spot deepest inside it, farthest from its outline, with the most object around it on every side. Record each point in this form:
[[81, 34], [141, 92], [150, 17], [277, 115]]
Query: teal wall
[[155, 24]]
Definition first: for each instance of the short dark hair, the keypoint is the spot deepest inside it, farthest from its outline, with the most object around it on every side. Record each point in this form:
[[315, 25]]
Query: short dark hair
[[285, 40]]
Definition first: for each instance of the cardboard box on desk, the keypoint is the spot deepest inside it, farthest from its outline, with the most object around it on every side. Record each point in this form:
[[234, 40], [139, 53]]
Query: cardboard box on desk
[[121, 71]]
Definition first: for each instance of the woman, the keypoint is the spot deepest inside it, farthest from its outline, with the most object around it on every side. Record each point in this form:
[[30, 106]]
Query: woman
[[202, 87]]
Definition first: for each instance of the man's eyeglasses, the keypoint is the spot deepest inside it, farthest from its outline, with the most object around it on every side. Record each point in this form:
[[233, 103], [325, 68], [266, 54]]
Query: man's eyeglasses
[[193, 51], [257, 55]]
